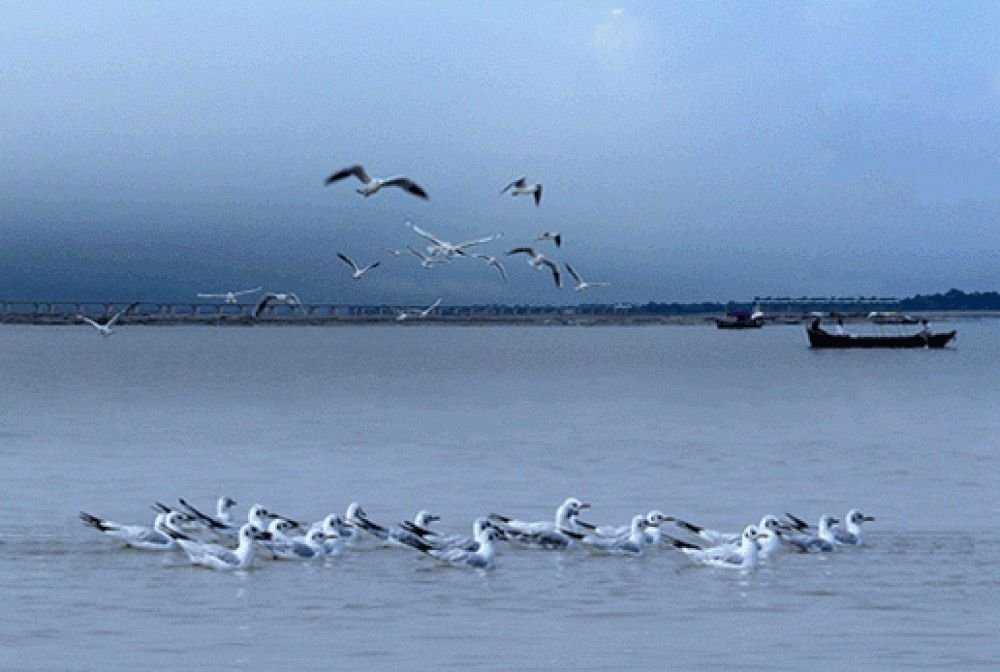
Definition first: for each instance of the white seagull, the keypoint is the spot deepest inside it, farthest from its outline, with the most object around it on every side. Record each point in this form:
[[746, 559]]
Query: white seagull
[[802, 538], [543, 534], [449, 541], [554, 236], [428, 262], [418, 314], [278, 299], [520, 187], [446, 249], [745, 558], [581, 285], [483, 557], [633, 544], [536, 260], [221, 558], [230, 297], [851, 536], [358, 270], [155, 538], [371, 185], [105, 329], [495, 263]]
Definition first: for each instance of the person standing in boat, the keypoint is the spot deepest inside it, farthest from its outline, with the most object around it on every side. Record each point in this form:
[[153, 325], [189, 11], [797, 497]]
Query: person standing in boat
[[925, 329], [840, 327]]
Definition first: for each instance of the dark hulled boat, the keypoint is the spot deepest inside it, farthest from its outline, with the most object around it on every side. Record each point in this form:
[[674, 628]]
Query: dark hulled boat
[[819, 338]]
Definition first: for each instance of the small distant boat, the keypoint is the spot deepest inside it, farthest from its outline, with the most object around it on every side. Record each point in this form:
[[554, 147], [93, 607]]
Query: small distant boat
[[819, 338], [741, 320]]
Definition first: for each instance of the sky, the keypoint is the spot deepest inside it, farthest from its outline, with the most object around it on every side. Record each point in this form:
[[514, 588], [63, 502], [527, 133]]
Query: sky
[[688, 151]]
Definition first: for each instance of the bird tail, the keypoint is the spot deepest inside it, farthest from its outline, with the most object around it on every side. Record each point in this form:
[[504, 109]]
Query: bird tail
[[681, 545], [690, 527], [95, 522], [416, 543]]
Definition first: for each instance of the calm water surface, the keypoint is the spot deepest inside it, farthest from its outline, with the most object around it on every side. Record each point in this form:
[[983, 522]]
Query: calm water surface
[[716, 427]]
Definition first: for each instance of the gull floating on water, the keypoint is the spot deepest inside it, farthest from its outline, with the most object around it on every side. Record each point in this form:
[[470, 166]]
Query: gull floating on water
[[483, 557], [277, 299], [802, 538], [520, 187], [155, 538], [105, 329], [495, 263], [581, 284], [632, 544], [851, 536], [446, 249], [543, 534], [451, 541], [218, 557], [746, 556], [358, 271], [554, 236], [371, 185], [230, 297], [536, 260]]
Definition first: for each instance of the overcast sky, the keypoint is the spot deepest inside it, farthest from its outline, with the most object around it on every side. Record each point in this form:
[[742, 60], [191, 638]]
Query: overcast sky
[[688, 150]]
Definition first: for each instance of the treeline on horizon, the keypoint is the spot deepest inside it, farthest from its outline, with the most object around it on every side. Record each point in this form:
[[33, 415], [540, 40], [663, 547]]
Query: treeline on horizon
[[953, 299]]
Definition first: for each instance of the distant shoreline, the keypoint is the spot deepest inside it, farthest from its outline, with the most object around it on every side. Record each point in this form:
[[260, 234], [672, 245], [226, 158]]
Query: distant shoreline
[[543, 320]]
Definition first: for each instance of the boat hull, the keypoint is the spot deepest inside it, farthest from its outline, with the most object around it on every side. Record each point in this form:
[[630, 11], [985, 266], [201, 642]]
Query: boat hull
[[821, 339]]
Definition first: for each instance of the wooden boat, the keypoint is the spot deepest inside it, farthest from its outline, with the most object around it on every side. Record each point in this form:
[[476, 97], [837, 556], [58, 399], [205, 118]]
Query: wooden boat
[[818, 338]]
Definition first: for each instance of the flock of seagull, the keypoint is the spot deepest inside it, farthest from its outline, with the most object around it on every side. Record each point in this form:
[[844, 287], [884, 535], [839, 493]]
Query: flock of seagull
[[437, 252], [222, 542]]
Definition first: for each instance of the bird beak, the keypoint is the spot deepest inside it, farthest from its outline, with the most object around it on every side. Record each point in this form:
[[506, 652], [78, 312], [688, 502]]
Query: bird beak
[[868, 519], [584, 505], [263, 536]]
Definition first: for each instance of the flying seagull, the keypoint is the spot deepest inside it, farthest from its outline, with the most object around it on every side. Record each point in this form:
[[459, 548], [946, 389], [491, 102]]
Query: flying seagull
[[277, 299], [495, 263], [419, 314], [230, 297], [371, 185], [425, 261], [358, 271], [105, 329], [445, 249], [537, 260], [554, 236], [521, 187], [581, 284]]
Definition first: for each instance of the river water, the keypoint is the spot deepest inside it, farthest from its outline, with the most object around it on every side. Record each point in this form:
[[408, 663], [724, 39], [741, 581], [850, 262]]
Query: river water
[[716, 427]]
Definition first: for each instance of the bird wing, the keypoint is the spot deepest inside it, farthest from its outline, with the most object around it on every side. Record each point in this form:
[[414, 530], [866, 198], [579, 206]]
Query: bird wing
[[416, 253], [407, 184], [356, 170], [263, 303], [247, 291], [89, 321], [211, 296], [347, 260], [370, 266], [538, 197], [519, 182], [480, 241], [127, 309], [554, 267], [572, 271], [425, 235], [522, 250], [432, 307], [499, 267]]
